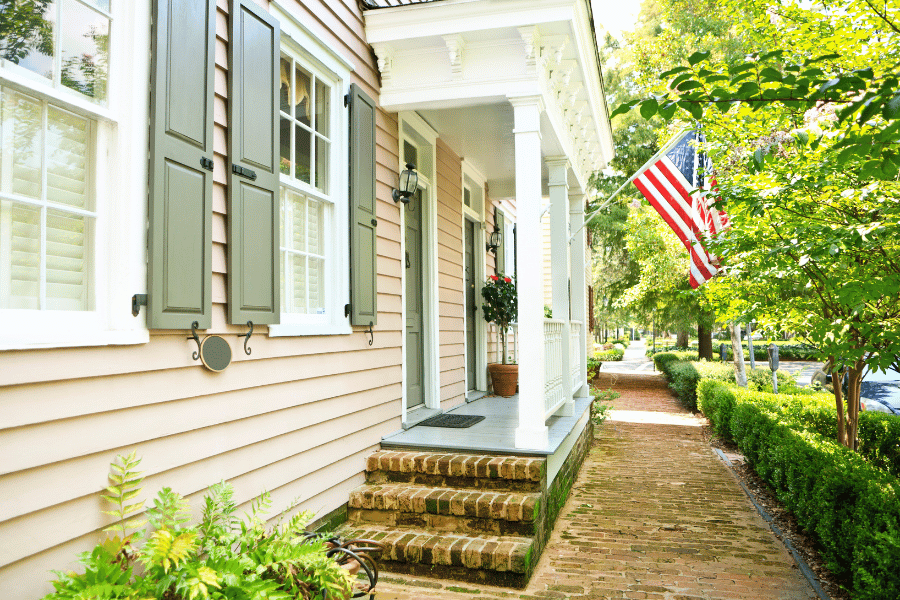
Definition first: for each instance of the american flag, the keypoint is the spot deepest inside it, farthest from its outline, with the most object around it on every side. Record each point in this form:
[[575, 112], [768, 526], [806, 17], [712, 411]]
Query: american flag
[[667, 181]]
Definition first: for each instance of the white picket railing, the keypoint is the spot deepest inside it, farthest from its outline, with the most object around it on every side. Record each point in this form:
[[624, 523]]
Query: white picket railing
[[554, 389], [575, 355]]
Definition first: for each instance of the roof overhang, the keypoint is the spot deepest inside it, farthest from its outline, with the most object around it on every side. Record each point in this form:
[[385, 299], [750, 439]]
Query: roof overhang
[[452, 56]]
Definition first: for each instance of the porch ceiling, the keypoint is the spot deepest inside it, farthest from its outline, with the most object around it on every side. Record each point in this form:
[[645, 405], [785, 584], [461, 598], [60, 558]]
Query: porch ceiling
[[458, 62]]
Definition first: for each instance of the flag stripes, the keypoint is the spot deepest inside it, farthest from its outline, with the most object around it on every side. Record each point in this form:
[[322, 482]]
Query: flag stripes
[[666, 183]]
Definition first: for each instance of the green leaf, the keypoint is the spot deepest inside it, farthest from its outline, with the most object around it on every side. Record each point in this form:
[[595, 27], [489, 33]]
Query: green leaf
[[866, 73], [849, 110], [802, 137], [820, 59], [649, 108], [689, 85], [829, 84], [741, 67], [667, 110], [891, 108], [769, 74], [773, 54], [692, 107], [869, 109], [698, 57], [675, 71], [747, 90], [623, 108]]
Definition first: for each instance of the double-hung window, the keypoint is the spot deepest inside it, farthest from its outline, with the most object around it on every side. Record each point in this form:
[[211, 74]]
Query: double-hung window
[[313, 155], [62, 151]]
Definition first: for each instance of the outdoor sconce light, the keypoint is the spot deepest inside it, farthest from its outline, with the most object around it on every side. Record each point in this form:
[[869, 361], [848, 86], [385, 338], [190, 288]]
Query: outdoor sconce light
[[494, 241], [409, 181]]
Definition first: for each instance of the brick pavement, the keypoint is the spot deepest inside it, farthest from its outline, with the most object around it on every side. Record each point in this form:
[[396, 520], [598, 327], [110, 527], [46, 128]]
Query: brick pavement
[[653, 514]]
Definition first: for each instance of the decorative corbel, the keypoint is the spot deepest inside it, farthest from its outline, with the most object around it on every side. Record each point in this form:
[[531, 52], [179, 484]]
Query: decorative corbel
[[456, 46], [385, 56], [532, 38]]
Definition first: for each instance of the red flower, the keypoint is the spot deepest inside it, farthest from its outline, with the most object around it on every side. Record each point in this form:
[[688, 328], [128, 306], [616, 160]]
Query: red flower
[[507, 280], [494, 277]]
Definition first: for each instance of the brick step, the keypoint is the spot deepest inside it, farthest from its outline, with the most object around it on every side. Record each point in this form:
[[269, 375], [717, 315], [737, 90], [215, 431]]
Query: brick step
[[459, 471], [445, 509], [498, 560]]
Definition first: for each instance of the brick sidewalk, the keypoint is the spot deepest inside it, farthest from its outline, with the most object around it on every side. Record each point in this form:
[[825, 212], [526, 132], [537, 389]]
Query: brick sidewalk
[[653, 514]]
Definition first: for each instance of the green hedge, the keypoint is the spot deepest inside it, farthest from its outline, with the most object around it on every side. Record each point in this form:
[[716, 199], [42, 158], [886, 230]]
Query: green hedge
[[851, 506], [684, 373], [789, 350]]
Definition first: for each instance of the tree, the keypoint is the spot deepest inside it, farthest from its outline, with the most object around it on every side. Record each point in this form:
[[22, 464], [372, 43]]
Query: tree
[[807, 155], [23, 29]]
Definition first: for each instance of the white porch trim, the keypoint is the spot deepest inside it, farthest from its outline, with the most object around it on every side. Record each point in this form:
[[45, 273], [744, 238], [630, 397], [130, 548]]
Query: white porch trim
[[559, 263]]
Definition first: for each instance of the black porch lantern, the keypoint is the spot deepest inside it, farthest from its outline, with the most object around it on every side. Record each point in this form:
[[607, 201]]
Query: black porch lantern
[[494, 241], [409, 182]]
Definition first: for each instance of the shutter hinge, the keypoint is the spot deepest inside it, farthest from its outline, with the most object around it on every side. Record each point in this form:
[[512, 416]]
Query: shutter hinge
[[346, 310], [207, 163], [243, 172], [347, 100], [137, 301]]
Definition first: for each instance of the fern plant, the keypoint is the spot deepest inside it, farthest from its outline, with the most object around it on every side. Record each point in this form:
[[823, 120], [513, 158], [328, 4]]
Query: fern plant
[[123, 491]]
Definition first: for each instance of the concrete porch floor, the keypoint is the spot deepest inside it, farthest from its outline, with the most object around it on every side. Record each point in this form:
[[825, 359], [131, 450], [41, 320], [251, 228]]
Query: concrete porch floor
[[495, 434]]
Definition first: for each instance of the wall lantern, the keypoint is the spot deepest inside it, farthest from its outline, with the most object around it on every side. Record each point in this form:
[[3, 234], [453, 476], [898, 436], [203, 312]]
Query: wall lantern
[[494, 241], [409, 182]]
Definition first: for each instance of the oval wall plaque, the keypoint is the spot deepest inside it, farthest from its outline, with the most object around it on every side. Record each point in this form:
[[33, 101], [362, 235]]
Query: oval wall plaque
[[215, 353]]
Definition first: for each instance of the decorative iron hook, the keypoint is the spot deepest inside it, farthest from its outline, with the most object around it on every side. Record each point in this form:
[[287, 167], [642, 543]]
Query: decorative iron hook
[[196, 338], [247, 336], [371, 333]]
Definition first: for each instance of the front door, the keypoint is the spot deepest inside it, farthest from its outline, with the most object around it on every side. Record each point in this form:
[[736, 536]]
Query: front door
[[471, 305], [415, 342]]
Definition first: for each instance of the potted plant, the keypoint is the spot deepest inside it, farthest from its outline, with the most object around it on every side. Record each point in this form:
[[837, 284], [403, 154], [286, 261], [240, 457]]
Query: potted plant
[[501, 308]]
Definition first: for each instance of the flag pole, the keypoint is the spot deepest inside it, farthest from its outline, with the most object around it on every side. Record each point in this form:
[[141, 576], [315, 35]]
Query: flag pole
[[666, 147]]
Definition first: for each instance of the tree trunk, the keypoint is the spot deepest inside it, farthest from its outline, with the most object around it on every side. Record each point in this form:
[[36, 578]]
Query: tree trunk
[[853, 391], [704, 342], [503, 343], [740, 373], [683, 337], [839, 403]]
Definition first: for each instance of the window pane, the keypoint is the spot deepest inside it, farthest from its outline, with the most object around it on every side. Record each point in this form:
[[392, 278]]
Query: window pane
[[101, 4], [285, 146], [285, 85], [315, 226], [28, 41], [467, 197], [298, 274], [302, 151], [25, 255], [302, 107], [322, 150], [316, 286], [66, 265], [84, 50], [26, 162], [67, 144], [410, 154], [298, 229], [323, 108]]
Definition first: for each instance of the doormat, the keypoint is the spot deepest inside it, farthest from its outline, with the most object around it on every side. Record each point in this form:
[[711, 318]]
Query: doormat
[[451, 420]]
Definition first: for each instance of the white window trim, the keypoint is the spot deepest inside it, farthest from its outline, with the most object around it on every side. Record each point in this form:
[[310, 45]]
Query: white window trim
[[333, 68], [120, 174]]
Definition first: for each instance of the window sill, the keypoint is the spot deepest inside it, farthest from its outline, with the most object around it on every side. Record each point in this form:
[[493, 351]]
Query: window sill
[[297, 329], [74, 339]]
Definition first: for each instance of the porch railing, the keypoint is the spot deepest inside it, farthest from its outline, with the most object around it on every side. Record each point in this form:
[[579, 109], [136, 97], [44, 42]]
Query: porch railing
[[575, 353], [554, 389]]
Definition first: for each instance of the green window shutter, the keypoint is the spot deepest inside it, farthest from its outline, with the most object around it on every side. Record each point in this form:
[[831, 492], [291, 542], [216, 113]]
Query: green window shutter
[[181, 155], [254, 276], [500, 258], [363, 288]]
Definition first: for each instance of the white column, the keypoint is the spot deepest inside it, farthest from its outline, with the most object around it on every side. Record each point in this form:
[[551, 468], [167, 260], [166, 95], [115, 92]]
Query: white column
[[559, 262], [532, 431], [579, 285]]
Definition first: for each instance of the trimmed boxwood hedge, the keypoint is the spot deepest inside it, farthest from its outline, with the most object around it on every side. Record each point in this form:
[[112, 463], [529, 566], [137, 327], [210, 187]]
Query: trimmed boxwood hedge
[[683, 373], [852, 506], [609, 355]]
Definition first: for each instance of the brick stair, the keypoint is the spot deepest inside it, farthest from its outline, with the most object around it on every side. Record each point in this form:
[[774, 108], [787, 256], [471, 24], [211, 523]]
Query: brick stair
[[469, 517]]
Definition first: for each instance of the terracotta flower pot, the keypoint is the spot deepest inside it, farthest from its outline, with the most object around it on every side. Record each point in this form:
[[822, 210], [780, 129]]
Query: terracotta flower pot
[[505, 378]]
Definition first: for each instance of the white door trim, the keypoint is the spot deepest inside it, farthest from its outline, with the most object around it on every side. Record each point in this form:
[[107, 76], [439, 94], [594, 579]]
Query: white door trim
[[470, 173], [413, 129]]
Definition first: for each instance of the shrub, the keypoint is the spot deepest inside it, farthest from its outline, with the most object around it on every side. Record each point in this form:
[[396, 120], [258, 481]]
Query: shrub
[[609, 354], [852, 507]]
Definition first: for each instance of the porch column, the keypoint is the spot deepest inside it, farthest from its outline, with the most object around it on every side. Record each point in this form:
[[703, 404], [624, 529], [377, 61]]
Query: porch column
[[532, 431], [579, 286], [558, 167]]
